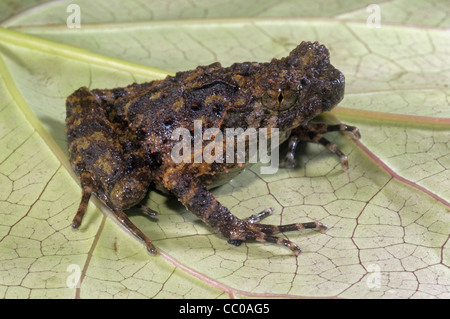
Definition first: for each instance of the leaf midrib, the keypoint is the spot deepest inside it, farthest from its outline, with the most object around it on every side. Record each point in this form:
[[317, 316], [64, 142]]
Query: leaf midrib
[[76, 53]]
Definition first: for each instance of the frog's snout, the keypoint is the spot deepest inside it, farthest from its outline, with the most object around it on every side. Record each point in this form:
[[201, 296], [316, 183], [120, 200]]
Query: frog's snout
[[335, 92]]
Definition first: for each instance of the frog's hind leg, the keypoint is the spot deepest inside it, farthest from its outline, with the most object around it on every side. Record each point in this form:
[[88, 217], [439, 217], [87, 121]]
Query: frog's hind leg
[[199, 200], [107, 158], [313, 133], [126, 222], [119, 215], [86, 195]]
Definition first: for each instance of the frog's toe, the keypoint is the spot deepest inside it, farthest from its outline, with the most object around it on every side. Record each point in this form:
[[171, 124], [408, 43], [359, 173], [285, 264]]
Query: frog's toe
[[150, 212], [354, 131], [254, 230], [258, 217], [335, 149], [235, 242], [289, 160], [280, 241]]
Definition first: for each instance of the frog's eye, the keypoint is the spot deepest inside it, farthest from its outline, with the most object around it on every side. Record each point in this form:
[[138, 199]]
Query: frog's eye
[[279, 100]]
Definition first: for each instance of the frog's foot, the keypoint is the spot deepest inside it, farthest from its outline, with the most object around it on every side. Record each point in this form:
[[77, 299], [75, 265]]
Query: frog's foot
[[313, 133], [119, 215], [150, 212], [264, 232]]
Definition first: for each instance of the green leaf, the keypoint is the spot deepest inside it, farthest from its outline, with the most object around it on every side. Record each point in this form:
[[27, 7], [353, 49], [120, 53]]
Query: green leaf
[[388, 215]]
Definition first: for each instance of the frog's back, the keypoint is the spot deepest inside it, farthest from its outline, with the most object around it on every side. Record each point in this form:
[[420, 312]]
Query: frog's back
[[178, 102]]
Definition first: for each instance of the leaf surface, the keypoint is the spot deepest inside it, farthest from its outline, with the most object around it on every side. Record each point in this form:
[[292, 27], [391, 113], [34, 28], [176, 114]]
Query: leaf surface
[[388, 215]]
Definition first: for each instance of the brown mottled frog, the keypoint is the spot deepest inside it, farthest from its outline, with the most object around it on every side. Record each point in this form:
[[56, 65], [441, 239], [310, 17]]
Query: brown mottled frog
[[121, 140]]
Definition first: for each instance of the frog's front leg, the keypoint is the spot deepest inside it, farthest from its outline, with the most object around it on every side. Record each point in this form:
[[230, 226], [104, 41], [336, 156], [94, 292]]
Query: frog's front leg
[[199, 200], [313, 133]]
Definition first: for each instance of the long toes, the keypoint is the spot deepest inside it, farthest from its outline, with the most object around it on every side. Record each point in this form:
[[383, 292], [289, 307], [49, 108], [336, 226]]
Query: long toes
[[258, 217], [256, 226], [150, 212], [126, 222], [354, 131], [280, 241], [273, 229], [335, 149], [264, 232], [288, 161]]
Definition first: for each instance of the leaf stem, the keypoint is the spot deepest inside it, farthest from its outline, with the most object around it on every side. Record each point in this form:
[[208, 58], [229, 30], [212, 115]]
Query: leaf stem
[[76, 53], [403, 119]]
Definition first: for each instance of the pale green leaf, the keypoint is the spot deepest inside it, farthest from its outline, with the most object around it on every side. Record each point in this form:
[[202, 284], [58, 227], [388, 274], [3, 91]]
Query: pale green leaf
[[388, 214]]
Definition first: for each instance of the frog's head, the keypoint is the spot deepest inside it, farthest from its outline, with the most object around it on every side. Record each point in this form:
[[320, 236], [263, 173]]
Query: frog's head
[[300, 86]]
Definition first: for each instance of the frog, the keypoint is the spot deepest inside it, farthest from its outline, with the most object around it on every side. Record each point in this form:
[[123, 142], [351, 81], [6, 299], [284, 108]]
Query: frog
[[120, 140]]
